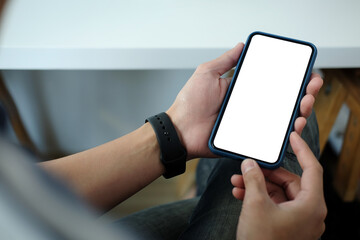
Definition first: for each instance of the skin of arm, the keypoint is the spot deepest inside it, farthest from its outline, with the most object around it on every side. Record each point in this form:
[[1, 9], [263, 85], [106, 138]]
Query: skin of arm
[[108, 174]]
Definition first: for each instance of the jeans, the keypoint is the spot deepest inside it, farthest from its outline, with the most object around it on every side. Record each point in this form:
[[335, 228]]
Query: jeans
[[214, 213]]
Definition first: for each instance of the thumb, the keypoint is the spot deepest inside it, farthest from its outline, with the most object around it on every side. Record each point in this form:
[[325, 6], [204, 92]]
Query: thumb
[[254, 180], [226, 61]]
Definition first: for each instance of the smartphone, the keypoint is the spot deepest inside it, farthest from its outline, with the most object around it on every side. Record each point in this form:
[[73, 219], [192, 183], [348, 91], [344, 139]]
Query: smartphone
[[263, 99]]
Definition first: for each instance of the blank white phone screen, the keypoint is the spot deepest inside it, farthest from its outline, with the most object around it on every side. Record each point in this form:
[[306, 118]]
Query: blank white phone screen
[[259, 110]]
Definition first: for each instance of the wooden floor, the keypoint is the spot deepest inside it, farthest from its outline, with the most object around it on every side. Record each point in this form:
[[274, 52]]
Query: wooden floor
[[159, 192]]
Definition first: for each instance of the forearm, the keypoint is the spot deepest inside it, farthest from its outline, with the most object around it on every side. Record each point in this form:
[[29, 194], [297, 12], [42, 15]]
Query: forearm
[[110, 173]]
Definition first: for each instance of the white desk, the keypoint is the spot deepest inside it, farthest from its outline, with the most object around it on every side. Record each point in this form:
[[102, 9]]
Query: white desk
[[167, 34]]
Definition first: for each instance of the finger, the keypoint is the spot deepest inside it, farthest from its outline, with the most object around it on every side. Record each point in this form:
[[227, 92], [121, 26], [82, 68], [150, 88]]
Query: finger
[[289, 182], [224, 85], [276, 192], [306, 105], [311, 179], [254, 180], [314, 85], [237, 181], [225, 62], [227, 80], [238, 193], [299, 125], [239, 188]]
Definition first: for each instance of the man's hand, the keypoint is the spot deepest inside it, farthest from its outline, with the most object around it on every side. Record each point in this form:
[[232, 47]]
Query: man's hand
[[284, 206], [196, 107]]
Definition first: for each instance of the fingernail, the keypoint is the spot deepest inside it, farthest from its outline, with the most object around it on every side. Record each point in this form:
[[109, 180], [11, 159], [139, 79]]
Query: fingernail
[[247, 165]]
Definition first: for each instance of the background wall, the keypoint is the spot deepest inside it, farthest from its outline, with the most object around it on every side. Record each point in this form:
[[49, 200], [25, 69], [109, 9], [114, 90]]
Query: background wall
[[69, 111]]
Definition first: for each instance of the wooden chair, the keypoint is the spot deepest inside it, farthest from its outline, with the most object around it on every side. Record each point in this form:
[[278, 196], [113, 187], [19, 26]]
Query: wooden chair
[[342, 86]]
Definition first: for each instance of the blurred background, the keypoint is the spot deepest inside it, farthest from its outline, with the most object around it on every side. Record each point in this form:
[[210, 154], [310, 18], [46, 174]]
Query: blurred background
[[82, 73]]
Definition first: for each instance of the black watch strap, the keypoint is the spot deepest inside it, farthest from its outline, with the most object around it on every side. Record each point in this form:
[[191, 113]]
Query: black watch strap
[[172, 153]]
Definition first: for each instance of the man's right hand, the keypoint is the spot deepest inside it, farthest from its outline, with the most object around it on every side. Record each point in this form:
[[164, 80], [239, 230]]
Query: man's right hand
[[284, 206]]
